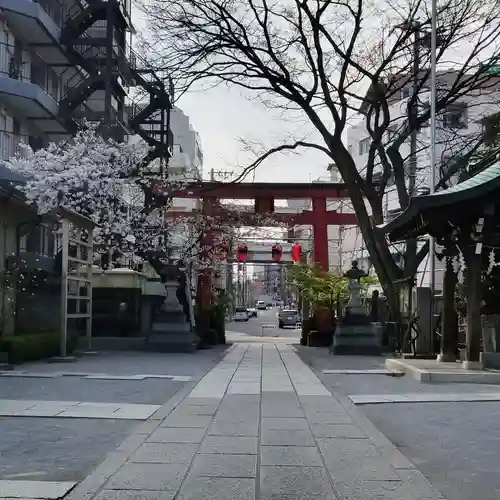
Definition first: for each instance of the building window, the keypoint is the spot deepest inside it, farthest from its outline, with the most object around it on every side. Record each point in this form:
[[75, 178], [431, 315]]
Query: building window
[[364, 146], [16, 126], [455, 116], [406, 92]]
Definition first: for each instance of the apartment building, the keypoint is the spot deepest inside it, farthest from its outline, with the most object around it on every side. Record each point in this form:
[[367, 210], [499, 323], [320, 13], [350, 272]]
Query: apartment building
[[458, 128], [64, 62]]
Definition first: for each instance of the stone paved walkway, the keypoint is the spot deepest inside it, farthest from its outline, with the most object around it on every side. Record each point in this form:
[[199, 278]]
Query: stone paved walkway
[[262, 426]]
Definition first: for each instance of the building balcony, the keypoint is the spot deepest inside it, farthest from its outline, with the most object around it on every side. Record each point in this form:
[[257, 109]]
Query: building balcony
[[11, 144], [39, 24], [37, 249], [31, 88]]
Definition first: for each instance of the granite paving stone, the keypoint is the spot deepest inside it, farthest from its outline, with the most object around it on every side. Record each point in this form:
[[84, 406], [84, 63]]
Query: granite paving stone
[[210, 488], [329, 418], [337, 431], [229, 444], [184, 410], [234, 429], [302, 481], [282, 411], [134, 495], [287, 437], [200, 421], [149, 477], [290, 455], [385, 490], [176, 435], [221, 465], [292, 424], [164, 453]]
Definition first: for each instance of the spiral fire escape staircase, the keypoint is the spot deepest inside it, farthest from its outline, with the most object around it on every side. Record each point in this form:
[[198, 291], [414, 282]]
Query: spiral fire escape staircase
[[106, 64]]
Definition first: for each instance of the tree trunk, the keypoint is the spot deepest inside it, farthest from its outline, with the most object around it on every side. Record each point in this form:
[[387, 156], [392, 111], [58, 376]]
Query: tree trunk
[[376, 244], [449, 333], [474, 327]]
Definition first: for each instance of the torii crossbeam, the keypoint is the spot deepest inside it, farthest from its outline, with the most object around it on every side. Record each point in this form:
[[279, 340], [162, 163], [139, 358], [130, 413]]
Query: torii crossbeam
[[265, 195]]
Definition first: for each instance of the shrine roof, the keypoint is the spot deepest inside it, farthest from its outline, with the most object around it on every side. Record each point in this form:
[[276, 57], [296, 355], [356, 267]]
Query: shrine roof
[[414, 221]]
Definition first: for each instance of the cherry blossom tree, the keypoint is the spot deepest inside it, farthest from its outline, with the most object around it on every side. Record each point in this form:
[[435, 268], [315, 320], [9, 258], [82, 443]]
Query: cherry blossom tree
[[98, 178]]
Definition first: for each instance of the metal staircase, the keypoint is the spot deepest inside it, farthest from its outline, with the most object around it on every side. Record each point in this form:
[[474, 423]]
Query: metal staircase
[[109, 66]]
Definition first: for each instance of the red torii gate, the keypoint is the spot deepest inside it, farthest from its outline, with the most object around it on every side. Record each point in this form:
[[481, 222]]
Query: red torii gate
[[265, 194]]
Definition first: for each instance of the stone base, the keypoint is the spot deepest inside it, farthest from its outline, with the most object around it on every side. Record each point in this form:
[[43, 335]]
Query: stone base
[[446, 358], [472, 365], [490, 360], [172, 342], [62, 359], [357, 340]]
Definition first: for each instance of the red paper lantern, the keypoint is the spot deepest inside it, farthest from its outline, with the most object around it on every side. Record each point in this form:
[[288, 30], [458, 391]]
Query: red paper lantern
[[296, 252], [276, 252], [242, 252]]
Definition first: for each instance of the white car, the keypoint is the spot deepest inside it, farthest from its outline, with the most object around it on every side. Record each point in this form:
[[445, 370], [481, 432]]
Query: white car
[[241, 314]]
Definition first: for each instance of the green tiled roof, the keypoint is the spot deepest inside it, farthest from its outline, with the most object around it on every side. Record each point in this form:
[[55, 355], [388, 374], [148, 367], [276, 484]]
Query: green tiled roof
[[411, 219]]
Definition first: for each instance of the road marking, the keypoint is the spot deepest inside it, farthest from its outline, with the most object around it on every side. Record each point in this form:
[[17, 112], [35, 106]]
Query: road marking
[[75, 409]]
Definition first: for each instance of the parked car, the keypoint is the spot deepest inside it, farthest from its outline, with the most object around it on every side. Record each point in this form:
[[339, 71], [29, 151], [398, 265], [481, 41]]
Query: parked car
[[252, 312], [241, 314], [261, 305], [288, 317]]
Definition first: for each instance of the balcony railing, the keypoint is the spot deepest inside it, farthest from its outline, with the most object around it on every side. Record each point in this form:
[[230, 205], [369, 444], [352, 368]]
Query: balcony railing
[[11, 63], [40, 239], [54, 9], [35, 71], [10, 144]]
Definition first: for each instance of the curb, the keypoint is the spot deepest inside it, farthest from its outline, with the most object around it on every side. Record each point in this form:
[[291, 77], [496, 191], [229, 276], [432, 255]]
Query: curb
[[428, 376], [417, 374], [93, 483]]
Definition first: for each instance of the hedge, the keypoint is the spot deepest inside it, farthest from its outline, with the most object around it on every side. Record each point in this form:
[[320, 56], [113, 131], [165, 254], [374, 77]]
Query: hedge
[[34, 346]]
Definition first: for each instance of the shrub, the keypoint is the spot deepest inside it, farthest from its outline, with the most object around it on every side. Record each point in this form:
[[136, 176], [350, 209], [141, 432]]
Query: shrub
[[34, 346]]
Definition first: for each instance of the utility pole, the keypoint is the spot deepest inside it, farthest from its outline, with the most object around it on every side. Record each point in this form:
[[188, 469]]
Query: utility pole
[[220, 175]]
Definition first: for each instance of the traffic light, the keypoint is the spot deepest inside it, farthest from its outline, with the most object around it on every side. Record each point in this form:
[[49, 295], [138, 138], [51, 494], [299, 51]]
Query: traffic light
[[242, 252], [296, 252], [276, 252]]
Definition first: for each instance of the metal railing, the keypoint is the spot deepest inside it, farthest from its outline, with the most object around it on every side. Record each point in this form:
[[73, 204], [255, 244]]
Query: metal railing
[[10, 144], [34, 71], [40, 239], [54, 9], [11, 63]]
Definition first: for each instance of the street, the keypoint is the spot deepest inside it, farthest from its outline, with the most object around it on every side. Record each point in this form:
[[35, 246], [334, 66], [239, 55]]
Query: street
[[264, 325], [59, 421]]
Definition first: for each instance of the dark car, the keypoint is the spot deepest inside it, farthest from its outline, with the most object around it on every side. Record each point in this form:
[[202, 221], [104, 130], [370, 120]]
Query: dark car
[[288, 317]]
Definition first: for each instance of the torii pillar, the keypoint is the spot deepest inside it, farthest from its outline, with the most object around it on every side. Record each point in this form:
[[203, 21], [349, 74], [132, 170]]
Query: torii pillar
[[320, 232]]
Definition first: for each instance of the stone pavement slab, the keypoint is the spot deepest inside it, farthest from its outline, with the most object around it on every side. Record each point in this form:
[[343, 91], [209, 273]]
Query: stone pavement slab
[[34, 489], [364, 399], [75, 409], [242, 441]]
